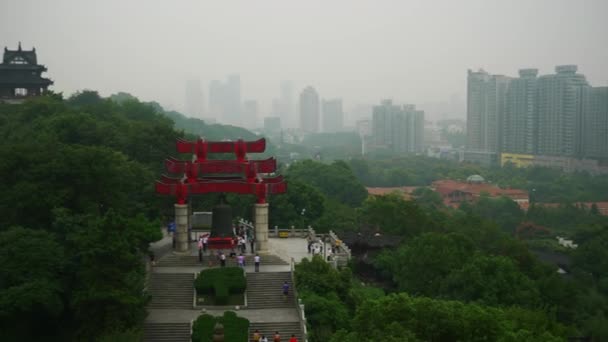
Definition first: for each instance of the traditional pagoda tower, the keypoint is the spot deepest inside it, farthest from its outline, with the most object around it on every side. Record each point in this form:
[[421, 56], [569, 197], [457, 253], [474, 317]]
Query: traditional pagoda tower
[[20, 75]]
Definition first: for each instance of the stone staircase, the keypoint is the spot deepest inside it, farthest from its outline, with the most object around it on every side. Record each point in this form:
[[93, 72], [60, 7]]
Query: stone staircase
[[172, 260], [167, 332], [285, 329], [265, 291], [171, 290]]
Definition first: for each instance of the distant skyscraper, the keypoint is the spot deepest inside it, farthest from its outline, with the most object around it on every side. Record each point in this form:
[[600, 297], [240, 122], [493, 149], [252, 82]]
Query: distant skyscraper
[[400, 129], [560, 101], [520, 122], [364, 128], [333, 117], [216, 100], [485, 109], [309, 110], [414, 130], [595, 123], [250, 114], [195, 105], [286, 104], [225, 100], [382, 120], [558, 119], [232, 106]]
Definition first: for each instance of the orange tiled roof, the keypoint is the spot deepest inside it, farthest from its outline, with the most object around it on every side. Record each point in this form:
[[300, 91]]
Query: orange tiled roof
[[405, 191], [447, 186]]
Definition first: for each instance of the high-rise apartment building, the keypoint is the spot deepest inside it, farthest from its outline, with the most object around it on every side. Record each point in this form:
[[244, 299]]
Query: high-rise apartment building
[[250, 114], [195, 105], [520, 122], [225, 100], [286, 104], [333, 117], [485, 109], [232, 106], [595, 123], [382, 120], [216, 99], [400, 129], [309, 110], [550, 120], [415, 129], [560, 103]]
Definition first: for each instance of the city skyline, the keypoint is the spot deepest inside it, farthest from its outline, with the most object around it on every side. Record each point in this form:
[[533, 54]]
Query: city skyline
[[413, 52], [551, 115]]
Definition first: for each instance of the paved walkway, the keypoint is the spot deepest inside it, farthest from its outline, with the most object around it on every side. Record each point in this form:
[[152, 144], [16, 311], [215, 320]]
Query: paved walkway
[[253, 315], [248, 269], [285, 248]]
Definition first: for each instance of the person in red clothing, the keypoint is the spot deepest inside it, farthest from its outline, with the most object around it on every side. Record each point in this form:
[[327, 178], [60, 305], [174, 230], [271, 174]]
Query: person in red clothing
[[293, 338], [277, 337]]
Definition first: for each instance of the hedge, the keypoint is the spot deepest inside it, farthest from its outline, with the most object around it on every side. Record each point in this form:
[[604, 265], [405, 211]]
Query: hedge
[[221, 282], [236, 329]]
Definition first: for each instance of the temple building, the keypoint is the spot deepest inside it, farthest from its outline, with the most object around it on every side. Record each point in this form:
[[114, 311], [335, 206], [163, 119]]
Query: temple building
[[454, 192], [20, 75]]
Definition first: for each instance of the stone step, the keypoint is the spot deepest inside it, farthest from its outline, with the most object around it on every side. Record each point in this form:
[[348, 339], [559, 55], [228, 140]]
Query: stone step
[[265, 290], [172, 260], [285, 329], [171, 290], [166, 332]]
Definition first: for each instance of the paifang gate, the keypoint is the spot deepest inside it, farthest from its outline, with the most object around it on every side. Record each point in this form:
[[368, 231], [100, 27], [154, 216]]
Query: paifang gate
[[202, 175]]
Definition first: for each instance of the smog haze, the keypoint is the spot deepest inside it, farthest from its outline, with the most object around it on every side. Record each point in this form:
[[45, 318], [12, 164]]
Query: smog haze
[[361, 51]]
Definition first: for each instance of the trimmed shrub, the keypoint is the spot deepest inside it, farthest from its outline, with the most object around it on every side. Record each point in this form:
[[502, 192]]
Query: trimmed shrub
[[221, 281], [202, 328], [221, 294], [236, 329]]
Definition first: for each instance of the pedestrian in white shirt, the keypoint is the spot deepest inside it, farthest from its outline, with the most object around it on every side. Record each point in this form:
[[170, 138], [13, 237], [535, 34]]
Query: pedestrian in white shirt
[[256, 260]]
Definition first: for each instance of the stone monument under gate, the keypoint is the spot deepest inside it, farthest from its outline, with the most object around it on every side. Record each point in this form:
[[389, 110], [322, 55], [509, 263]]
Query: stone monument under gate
[[202, 175]]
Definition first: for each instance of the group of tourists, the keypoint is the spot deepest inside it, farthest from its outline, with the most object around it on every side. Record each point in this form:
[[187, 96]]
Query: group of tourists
[[315, 247], [259, 337], [221, 257], [241, 261], [242, 235]]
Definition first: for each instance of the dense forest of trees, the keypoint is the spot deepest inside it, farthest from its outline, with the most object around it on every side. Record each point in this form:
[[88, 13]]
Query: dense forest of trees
[[78, 211], [463, 266], [545, 184]]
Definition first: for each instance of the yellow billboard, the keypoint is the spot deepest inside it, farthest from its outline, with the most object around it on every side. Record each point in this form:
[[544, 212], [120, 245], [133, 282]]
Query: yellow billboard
[[519, 160]]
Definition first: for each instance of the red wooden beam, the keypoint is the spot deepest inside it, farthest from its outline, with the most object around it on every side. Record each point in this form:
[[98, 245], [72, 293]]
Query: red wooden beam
[[174, 165], [183, 190], [202, 147]]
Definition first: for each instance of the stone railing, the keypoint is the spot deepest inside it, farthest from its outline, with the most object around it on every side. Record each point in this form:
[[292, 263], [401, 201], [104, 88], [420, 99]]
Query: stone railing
[[290, 232], [246, 223], [300, 306], [343, 253]]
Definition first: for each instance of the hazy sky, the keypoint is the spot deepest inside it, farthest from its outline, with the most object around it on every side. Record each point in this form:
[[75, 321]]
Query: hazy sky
[[363, 51]]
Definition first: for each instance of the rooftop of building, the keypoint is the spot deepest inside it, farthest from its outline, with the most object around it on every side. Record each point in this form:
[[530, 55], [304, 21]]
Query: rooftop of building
[[476, 179], [20, 56], [404, 191], [447, 186]]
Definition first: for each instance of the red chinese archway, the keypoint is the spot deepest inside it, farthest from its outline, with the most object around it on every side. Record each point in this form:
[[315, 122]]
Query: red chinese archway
[[202, 175]]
